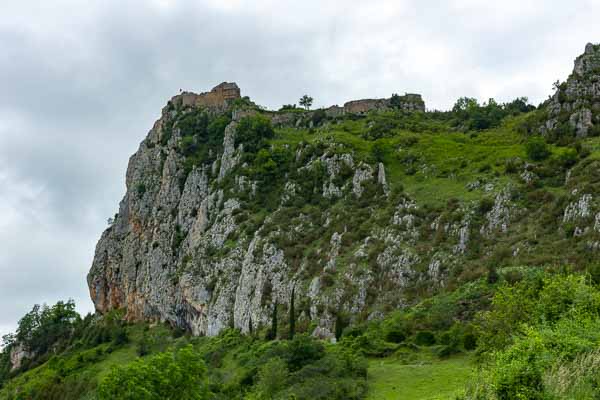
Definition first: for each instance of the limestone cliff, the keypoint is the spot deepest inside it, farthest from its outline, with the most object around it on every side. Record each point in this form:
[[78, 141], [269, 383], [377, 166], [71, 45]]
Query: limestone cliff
[[225, 219], [176, 251], [575, 106]]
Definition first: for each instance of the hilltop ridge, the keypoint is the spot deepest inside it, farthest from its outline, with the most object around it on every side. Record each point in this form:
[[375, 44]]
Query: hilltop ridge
[[349, 252], [230, 209]]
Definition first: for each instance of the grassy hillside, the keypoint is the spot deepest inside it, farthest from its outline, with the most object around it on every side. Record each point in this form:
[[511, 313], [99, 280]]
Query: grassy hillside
[[418, 378], [509, 218], [514, 337]]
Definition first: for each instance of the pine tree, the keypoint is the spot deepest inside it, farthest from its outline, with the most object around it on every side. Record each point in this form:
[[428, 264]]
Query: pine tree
[[273, 332], [292, 315]]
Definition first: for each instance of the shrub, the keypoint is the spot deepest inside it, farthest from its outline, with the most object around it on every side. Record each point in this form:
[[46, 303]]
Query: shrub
[[177, 375], [253, 131], [140, 188], [120, 337], [511, 166], [485, 205], [425, 338], [568, 158], [492, 276], [537, 149], [378, 151], [318, 117], [395, 335], [470, 341], [272, 377], [303, 350]]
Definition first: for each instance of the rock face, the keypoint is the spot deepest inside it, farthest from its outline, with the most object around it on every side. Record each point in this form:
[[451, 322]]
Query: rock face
[[408, 102], [18, 354], [574, 109], [216, 232], [178, 251]]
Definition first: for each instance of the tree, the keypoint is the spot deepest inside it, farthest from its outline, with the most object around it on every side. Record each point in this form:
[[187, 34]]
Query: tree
[[272, 377], [306, 101], [273, 332], [177, 375], [556, 85], [537, 149], [8, 340], [252, 132], [44, 327], [292, 315]]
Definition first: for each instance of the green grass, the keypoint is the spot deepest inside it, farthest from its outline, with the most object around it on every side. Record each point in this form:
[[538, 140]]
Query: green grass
[[444, 162], [425, 379]]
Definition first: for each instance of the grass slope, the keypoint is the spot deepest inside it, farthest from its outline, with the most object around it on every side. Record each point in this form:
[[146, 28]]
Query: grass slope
[[425, 379]]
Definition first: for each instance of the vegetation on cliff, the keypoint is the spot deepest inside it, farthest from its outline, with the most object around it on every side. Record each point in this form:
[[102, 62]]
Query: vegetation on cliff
[[532, 334], [286, 250]]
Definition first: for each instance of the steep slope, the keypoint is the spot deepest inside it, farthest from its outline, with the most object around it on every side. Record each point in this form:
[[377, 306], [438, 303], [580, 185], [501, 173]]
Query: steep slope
[[574, 109], [346, 212]]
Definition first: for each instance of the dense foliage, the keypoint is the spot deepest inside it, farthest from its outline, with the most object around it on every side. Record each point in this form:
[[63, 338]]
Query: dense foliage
[[468, 114], [541, 336], [534, 330], [176, 375]]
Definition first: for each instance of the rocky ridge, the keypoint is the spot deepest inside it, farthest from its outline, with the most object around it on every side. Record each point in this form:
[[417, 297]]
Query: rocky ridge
[[575, 106], [195, 244]]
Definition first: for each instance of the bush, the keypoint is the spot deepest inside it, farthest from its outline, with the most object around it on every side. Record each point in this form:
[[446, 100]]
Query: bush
[[470, 341], [534, 329], [253, 131], [425, 338], [568, 158], [318, 117], [272, 377], [178, 375], [486, 205], [395, 335], [537, 149], [120, 337]]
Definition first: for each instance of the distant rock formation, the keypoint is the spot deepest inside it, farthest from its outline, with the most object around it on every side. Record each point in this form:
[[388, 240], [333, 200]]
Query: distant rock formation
[[574, 109], [168, 255], [408, 102], [18, 355], [195, 245]]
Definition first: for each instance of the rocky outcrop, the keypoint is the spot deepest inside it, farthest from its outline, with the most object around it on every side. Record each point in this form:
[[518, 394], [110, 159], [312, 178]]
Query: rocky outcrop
[[221, 236], [18, 354], [574, 109], [177, 250], [408, 102]]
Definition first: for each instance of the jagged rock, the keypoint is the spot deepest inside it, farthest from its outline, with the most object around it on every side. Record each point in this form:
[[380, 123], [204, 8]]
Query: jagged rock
[[336, 243], [575, 102], [463, 238], [381, 178], [581, 121], [408, 102], [578, 209], [363, 173], [192, 244], [597, 222], [230, 156], [499, 216], [18, 354]]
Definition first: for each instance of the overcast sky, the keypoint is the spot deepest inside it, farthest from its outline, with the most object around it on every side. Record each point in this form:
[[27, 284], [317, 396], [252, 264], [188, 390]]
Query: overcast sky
[[81, 83]]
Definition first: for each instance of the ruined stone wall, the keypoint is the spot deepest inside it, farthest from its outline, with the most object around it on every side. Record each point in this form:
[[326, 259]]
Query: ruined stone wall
[[218, 97]]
